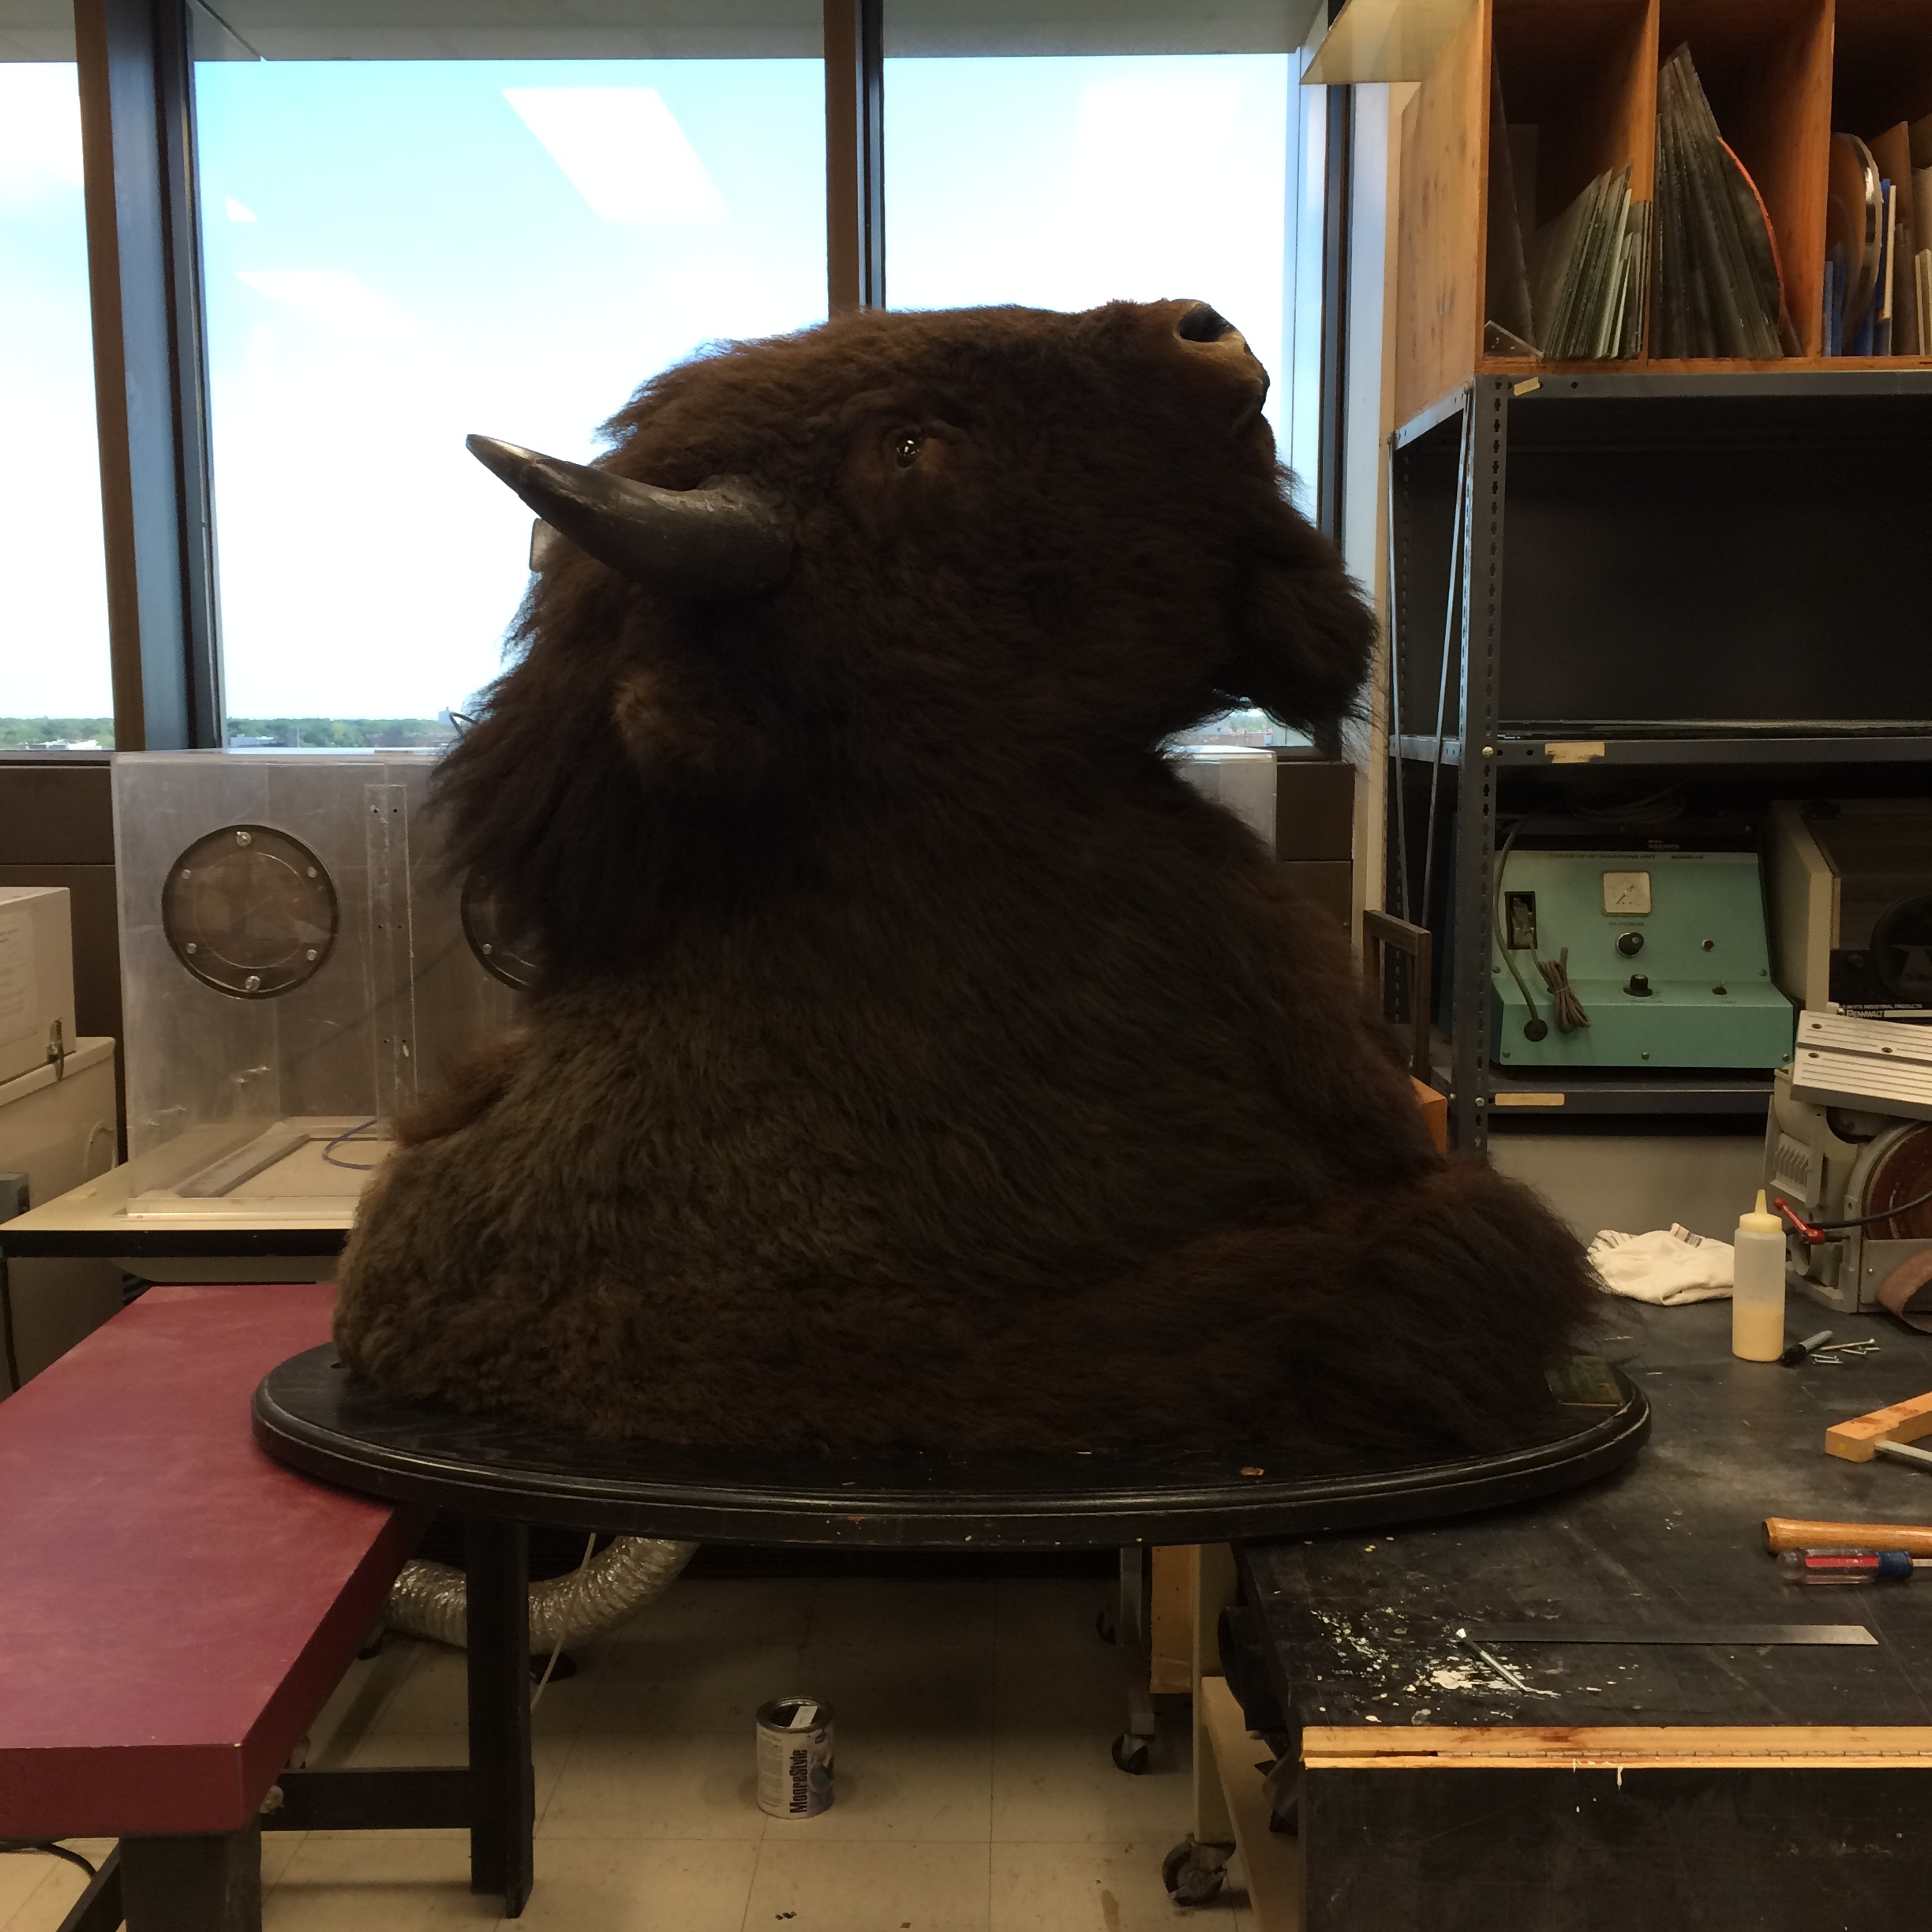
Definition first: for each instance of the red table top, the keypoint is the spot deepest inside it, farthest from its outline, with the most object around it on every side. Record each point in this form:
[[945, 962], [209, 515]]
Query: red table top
[[174, 1607]]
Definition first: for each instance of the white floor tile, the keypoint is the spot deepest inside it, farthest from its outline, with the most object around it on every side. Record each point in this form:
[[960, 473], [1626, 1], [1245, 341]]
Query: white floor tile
[[671, 1885], [278, 1850], [976, 1792], [358, 1702], [1079, 1887], [433, 1697], [865, 1886], [37, 1890], [1068, 1788], [698, 1785], [355, 1881], [1053, 1774], [22, 1874]]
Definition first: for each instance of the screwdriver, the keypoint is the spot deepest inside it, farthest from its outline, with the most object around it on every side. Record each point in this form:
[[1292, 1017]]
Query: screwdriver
[[1849, 1565]]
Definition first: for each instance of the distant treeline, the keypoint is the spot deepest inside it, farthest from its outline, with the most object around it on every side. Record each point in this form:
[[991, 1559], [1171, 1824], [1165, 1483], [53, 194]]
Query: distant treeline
[[18, 734], [246, 734], [317, 734]]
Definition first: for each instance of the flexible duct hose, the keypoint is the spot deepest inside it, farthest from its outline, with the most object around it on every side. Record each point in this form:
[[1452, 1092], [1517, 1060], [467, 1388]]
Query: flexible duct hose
[[427, 1600]]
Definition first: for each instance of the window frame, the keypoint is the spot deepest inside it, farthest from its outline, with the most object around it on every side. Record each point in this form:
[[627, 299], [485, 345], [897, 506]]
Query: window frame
[[135, 59]]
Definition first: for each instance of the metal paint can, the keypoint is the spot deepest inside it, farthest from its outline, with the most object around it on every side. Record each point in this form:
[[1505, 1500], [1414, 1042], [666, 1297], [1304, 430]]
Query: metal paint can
[[795, 1756]]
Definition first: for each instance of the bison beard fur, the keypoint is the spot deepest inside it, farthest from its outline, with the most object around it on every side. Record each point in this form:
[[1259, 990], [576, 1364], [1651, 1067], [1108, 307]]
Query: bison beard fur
[[917, 1060]]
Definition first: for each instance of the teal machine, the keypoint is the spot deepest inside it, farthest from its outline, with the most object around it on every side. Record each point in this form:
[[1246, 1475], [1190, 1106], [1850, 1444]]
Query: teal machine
[[1634, 959]]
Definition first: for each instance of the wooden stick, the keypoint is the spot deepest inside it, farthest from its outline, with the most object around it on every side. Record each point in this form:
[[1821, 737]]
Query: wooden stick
[[1678, 1747], [1903, 1422], [1790, 1533]]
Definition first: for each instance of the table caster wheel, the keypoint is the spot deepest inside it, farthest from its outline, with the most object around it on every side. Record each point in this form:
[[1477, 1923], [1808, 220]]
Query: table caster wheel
[[1103, 1628], [1194, 1874], [1131, 1754]]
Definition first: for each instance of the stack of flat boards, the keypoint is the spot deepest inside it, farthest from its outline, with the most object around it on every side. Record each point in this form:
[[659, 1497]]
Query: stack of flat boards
[[1719, 289], [1573, 290], [1587, 272]]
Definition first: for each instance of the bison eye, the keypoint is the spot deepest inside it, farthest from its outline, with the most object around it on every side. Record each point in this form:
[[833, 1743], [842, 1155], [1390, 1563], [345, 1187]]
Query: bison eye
[[906, 447]]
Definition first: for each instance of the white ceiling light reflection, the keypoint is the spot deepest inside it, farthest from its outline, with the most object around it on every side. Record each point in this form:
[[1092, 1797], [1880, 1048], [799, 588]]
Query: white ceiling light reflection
[[331, 299], [623, 151], [239, 212], [40, 128]]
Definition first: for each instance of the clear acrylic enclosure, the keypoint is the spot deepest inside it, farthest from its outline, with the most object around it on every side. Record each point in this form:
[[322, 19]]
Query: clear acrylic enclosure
[[294, 972]]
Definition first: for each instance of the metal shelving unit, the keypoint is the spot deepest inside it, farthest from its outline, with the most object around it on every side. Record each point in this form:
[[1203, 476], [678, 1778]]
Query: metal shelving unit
[[1652, 574], [1559, 745]]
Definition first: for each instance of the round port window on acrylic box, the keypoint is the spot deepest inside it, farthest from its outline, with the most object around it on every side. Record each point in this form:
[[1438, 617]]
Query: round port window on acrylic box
[[295, 973]]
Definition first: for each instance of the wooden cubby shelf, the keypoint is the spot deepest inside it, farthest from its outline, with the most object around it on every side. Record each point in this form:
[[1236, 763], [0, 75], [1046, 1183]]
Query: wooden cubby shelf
[[1781, 76]]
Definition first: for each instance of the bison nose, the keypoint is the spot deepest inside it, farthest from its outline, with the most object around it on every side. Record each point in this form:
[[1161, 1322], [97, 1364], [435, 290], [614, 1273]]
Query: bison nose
[[1198, 323], [1209, 334]]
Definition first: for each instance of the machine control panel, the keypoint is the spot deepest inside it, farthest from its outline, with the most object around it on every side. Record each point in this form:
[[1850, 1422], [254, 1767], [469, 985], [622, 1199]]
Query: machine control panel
[[1652, 958], [1626, 893]]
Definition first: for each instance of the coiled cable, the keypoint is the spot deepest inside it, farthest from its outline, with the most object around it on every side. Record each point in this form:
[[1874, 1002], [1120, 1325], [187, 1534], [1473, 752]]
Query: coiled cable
[[1568, 1011]]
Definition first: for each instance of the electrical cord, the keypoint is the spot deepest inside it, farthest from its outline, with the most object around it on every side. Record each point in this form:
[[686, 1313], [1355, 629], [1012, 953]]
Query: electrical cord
[[52, 1849], [1566, 1009], [349, 1133], [1569, 1013], [1836, 1227], [1535, 1027]]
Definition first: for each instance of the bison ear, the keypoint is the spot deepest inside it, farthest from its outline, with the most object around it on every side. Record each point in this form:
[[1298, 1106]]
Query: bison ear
[[1302, 638]]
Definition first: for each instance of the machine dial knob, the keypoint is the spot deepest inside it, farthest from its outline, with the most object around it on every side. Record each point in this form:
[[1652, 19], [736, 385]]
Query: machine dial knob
[[1630, 944], [1639, 987]]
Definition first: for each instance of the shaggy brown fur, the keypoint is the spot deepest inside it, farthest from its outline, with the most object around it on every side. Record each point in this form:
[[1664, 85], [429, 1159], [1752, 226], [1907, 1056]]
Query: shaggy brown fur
[[919, 1060]]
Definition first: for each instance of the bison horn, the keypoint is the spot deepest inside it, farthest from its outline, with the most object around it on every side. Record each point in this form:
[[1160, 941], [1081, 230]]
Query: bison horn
[[723, 541]]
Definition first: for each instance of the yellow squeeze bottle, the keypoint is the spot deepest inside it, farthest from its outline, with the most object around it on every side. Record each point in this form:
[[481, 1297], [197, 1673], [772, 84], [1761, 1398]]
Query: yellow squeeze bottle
[[1757, 1286]]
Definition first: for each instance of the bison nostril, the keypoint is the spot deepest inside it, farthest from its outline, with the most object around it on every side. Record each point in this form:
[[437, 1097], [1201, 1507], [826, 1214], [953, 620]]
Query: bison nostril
[[1201, 323]]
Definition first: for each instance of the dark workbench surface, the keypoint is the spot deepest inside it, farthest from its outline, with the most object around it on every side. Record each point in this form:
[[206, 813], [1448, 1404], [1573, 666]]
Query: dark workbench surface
[[1361, 1627]]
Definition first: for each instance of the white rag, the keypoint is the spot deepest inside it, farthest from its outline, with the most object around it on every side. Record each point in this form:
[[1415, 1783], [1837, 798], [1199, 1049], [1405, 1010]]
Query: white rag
[[1669, 1267]]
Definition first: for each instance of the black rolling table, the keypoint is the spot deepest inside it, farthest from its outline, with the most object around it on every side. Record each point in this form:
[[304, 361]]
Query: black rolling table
[[503, 1478], [1710, 1780]]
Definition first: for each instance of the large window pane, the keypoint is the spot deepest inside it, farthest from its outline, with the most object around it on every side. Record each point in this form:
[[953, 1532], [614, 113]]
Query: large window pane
[[397, 252], [1063, 182], [1068, 180], [54, 682]]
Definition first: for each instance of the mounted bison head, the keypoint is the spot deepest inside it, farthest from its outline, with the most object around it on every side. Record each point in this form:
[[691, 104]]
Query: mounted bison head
[[938, 548], [911, 1033]]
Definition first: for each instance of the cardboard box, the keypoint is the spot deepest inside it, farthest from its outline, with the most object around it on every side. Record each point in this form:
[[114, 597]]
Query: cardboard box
[[36, 977], [1314, 809]]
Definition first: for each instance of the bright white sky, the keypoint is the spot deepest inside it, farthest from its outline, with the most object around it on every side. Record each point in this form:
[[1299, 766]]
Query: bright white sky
[[397, 253]]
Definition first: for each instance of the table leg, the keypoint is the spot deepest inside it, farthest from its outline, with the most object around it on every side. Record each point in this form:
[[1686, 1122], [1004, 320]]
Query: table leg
[[192, 1882], [503, 1814], [98, 1908], [1215, 1586], [1132, 1748]]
